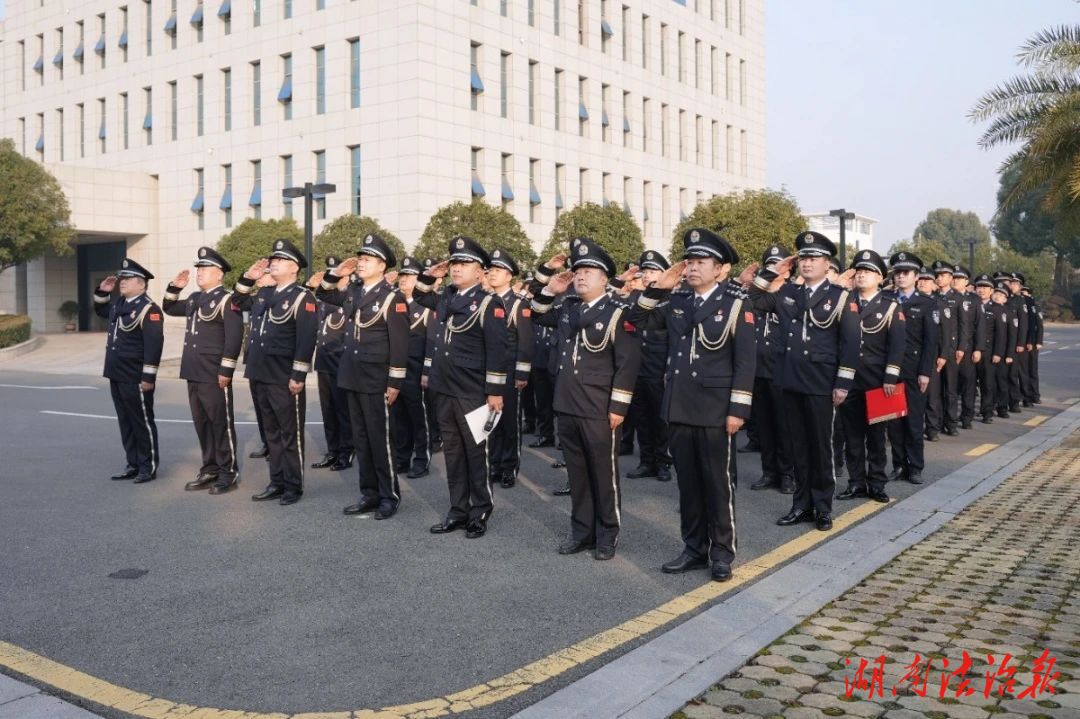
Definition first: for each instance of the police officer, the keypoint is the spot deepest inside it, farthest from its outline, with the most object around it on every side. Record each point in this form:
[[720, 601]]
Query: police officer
[[1021, 321], [263, 452], [505, 450], [467, 371], [943, 408], [433, 329], [410, 412], [883, 342], [542, 382], [1006, 325], [919, 364], [768, 408], [373, 367], [132, 353], [212, 341], [333, 400], [815, 368], [1035, 314], [991, 338], [598, 355], [655, 457], [969, 325], [708, 392], [284, 325]]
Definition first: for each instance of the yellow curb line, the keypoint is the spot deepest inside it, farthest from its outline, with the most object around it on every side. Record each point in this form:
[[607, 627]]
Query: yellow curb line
[[980, 450], [91, 689], [1036, 421]]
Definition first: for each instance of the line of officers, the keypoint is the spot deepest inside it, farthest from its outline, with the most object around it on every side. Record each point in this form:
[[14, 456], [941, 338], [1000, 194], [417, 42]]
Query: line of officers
[[686, 351]]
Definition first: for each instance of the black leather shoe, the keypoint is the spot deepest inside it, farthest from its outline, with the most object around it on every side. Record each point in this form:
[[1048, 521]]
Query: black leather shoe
[[767, 481], [602, 554], [824, 523], [448, 525], [385, 512], [1014, 409], [914, 477], [1003, 413], [401, 467], [987, 419], [950, 431], [418, 470], [683, 563], [203, 481], [965, 424], [508, 479], [721, 571], [1037, 400], [878, 495], [361, 507], [328, 460], [542, 442], [558, 464], [270, 492], [290, 498], [342, 463], [641, 472], [663, 473], [562, 491], [261, 453], [1026, 403], [749, 447], [528, 428], [897, 474], [572, 546], [852, 493], [476, 528], [225, 485], [143, 478], [129, 473], [796, 516], [932, 437], [787, 485]]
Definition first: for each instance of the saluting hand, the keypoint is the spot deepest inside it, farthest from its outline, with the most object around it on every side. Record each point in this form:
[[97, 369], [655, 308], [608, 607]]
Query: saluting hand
[[108, 284], [347, 266], [517, 288], [557, 261], [259, 268], [746, 277], [847, 278], [438, 270], [786, 266], [628, 275], [671, 277], [181, 279], [315, 280], [560, 282]]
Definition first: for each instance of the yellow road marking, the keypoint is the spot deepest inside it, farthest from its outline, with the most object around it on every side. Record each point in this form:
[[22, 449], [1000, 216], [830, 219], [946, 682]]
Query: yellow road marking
[[73, 682], [1036, 420], [980, 450]]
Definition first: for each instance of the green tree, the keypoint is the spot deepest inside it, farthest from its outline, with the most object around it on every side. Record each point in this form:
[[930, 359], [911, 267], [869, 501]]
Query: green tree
[[343, 237], [953, 229], [252, 239], [929, 251], [490, 226], [611, 227], [34, 213], [750, 220]]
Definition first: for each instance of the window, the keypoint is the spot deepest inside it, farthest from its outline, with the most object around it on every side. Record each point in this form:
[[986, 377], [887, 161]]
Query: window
[[99, 47], [646, 209], [39, 145], [680, 48], [320, 80], [225, 13], [60, 132], [663, 48], [78, 54], [124, 117], [533, 70], [507, 176], [626, 119], [320, 177], [255, 201], [287, 12], [626, 196], [663, 129], [534, 194], [226, 87], [82, 129], [665, 211], [560, 188], [39, 64], [354, 72], [22, 66], [682, 136], [558, 98], [742, 17], [582, 24], [170, 25], [645, 118], [123, 43], [504, 84], [197, 21], [198, 205], [714, 70], [287, 181], [744, 168], [645, 41], [58, 58], [354, 172], [476, 85], [320, 4], [285, 93], [583, 110], [605, 122], [697, 64], [699, 140], [477, 188], [742, 82], [503, 7], [531, 13], [715, 145], [256, 93], [727, 14], [172, 110], [149, 27], [199, 106], [625, 30], [148, 118], [256, 13], [226, 196], [583, 185], [101, 131], [729, 147], [605, 190], [557, 17], [606, 33], [728, 80]]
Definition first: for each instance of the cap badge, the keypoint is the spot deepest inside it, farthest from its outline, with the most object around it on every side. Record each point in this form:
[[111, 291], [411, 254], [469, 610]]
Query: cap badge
[[774, 251], [902, 256], [279, 245], [202, 252], [460, 244], [583, 249], [695, 235], [125, 264]]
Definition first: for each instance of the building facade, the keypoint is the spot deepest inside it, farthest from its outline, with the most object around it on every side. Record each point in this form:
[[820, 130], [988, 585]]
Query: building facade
[[858, 231], [199, 113]]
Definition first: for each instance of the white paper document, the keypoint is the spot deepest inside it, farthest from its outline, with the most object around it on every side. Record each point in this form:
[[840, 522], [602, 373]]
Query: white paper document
[[478, 418]]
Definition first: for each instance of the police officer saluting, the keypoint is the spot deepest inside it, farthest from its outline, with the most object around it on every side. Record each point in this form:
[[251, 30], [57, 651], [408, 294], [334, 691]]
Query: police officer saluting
[[214, 333], [372, 367], [132, 353], [708, 392], [410, 412], [598, 355], [333, 402], [284, 324]]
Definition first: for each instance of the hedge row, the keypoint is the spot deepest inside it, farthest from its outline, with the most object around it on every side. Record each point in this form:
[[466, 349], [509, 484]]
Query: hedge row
[[14, 329]]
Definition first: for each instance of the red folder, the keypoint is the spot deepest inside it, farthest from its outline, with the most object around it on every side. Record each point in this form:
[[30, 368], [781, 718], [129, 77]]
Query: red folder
[[880, 408]]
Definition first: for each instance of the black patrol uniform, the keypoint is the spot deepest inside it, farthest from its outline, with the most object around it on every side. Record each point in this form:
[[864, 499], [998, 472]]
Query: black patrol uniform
[[992, 339], [712, 353], [1018, 371], [284, 326], [1035, 314], [214, 333], [333, 400], [132, 354], [373, 359], [969, 318], [542, 382], [468, 362], [817, 353], [943, 405], [598, 354], [412, 450]]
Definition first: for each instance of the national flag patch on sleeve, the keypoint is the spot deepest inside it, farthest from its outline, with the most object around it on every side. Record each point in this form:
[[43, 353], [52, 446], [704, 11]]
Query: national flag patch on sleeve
[[854, 307], [309, 306], [500, 312], [749, 317], [628, 327], [900, 316], [155, 317], [401, 307], [526, 312]]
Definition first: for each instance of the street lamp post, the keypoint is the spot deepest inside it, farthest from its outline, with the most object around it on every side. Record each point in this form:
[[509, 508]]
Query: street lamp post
[[843, 216], [309, 192]]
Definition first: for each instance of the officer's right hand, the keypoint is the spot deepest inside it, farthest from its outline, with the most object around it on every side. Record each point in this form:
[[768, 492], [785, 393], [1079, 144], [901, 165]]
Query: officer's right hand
[[438, 270], [557, 261], [181, 279], [996, 359], [671, 277], [786, 266], [747, 275], [734, 424], [295, 387], [560, 282], [939, 364], [315, 280], [924, 383], [423, 381], [347, 266], [1008, 360], [495, 402], [108, 284], [838, 397], [258, 269], [628, 276]]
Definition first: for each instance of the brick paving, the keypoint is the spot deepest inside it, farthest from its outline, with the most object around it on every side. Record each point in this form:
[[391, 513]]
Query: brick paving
[[1002, 576]]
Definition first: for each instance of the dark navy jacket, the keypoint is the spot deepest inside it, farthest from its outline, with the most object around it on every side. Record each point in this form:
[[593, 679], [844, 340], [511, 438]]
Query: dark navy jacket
[[213, 335], [135, 339], [284, 325]]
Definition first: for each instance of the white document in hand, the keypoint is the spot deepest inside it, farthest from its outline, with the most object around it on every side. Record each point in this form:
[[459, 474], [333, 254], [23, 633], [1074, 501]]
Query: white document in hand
[[476, 421]]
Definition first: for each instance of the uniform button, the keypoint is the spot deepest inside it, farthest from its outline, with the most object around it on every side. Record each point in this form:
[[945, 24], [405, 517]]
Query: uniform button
[[693, 374], [805, 352], [676, 371], [575, 371], [680, 354]]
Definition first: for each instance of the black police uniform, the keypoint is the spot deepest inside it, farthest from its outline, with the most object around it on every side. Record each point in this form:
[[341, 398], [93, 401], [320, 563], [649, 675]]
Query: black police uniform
[[817, 353], [468, 362], [1027, 392], [333, 400], [373, 359], [410, 412], [943, 405], [214, 333], [284, 326], [132, 354], [1019, 369], [994, 338], [543, 385], [712, 353], [1036, 315], [433, 329], [598, 354], [969, 318]]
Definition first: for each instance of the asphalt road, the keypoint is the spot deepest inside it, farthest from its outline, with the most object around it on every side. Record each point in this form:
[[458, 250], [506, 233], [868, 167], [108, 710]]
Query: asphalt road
[[259, 607]]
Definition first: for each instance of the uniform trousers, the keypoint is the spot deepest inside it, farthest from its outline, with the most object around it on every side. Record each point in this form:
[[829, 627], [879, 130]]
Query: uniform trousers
[[703, 464], [466, 461], [986, 374], [543, 390], [968, 377], [772, 436], [589, 447], [138, 432], [1033, 376], [1017, 379], [906, 433], [335, 413], [810, 423], [1002, 385], [283, 415], [505, 439], [212, 415], [369, 416], [652, 430], [942, 405], [410, 416], [865, 448]]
